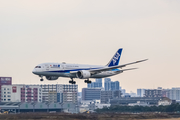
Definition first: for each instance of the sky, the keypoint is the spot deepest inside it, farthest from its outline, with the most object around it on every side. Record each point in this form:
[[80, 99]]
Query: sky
[[90, 32]]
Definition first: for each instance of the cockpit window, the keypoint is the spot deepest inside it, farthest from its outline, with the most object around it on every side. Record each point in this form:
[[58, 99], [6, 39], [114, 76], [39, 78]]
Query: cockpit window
[[38, 67]]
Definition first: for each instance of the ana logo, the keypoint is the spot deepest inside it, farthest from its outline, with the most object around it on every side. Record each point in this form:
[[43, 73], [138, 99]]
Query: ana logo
[[115, 58], [56, 66]]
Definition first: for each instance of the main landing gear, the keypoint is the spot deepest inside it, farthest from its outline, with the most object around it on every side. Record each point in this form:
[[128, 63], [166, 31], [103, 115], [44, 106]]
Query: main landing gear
[[87, 81], [41, 78], [72, 81]]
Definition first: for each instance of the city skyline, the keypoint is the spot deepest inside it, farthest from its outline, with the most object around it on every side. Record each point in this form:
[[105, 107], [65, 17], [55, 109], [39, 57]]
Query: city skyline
[[90, 32]]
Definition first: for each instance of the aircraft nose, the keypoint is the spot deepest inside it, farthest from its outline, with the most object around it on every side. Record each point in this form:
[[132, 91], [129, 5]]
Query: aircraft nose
[[34, 71]]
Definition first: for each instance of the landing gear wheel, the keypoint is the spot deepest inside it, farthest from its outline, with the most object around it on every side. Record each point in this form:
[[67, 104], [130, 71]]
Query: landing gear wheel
[[41, 77], [87, 81], [72, 81]]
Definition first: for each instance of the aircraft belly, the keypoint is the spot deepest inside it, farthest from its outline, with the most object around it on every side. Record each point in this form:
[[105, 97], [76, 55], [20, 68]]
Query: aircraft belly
[[57, 74], [65, 74]]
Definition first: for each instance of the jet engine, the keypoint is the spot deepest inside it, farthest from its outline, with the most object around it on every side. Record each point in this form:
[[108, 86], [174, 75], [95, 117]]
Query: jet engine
[[83, 74], [51, 77]]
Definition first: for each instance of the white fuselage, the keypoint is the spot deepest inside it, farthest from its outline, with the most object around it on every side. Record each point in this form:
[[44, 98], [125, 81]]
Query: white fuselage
[[66, 70], [52, 71]]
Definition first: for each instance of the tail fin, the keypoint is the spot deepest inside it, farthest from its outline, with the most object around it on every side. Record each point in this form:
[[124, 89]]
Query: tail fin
[[116, 58]]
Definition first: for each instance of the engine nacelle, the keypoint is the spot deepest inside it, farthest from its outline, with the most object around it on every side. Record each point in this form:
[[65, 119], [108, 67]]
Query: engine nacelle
[[83, 74], [51, 77]]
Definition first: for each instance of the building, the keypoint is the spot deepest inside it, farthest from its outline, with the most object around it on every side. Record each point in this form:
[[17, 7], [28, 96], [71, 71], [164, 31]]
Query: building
[[109, 85], [117, 94], [21, 93], [59, 93], [128, 100], [96, 84], [140, 92], [17, 107], [39, 93], [123, 91], [52, 97], [106, 83], [165, 93], [165, 101], [132, 94], [173, 94], [107, 95], [70, 107], [91, 93], [114, 85], [5, 81], [153, 93], [70, 94], [49, 91], [138, 104], [97, 105]]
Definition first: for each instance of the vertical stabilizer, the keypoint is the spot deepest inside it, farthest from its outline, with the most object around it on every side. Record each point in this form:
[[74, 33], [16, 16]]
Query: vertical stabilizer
[[116, 58]]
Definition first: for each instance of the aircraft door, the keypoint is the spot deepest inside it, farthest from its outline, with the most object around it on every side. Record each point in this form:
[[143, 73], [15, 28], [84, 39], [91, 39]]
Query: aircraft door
[[62, 67], [47, 67]]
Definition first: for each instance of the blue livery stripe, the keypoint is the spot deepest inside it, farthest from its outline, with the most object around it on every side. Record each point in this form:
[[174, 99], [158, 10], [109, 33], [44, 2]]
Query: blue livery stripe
[[68, 71]]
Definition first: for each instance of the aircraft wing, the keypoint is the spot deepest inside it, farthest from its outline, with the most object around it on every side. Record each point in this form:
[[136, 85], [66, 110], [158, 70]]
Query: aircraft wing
[[114, 67]]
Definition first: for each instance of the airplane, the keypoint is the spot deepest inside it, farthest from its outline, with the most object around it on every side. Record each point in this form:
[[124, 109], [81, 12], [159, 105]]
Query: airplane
[[52, 71]]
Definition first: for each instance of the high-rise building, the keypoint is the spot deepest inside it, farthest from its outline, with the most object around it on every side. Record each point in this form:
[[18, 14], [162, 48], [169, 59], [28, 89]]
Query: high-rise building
[[174, 94], [52, 97], [140, 92], [96, 84], [39, 93], [21, 93], [47, 93], [115, 85], [109, 85], [70, 93], [5, 81], [91, 94], [67, 93], [60, 93]]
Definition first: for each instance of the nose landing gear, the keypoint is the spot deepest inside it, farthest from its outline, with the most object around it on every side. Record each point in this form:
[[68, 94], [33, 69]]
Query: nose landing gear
[[41, 78]]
